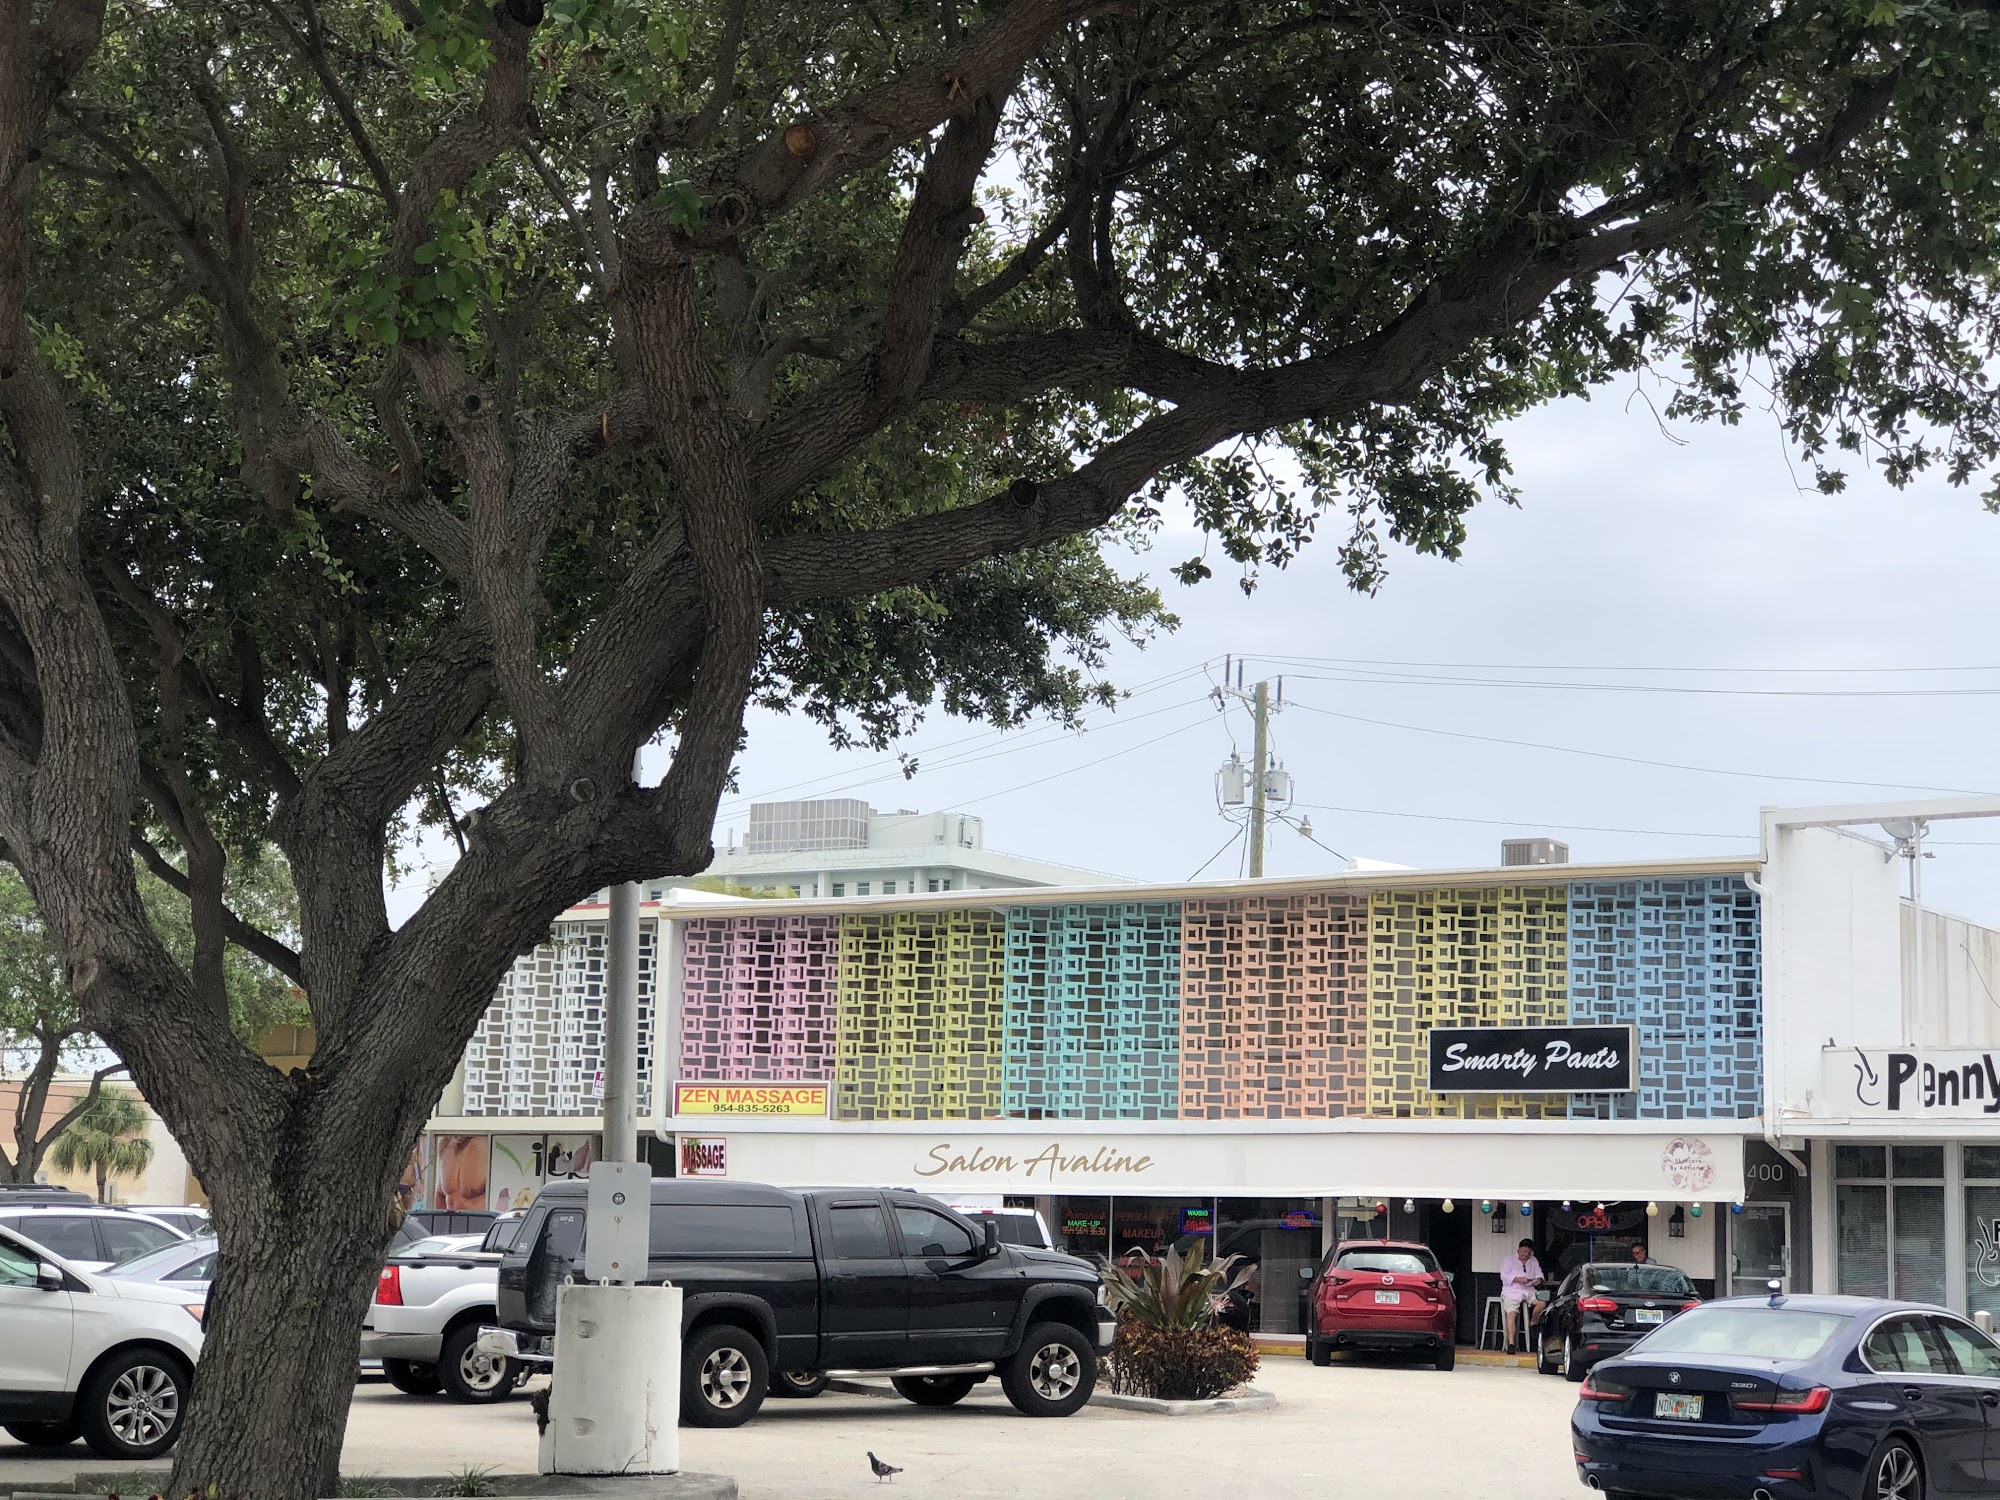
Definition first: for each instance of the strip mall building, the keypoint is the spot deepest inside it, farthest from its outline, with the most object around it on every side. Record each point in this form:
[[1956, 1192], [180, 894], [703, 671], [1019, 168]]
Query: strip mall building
[[1759, 1067]]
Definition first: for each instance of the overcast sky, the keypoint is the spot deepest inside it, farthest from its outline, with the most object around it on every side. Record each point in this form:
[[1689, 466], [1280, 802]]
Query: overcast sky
[[1838, 637]]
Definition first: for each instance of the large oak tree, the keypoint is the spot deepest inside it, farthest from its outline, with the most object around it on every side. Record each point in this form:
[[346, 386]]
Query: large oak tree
[[412, 408]]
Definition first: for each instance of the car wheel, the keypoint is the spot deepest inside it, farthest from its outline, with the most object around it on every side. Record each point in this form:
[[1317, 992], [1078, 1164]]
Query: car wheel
[[1447, 1355], [468, 1373], [45, 1434], [934, 1390], [1894, 1474], [1319, 1352], [1543, 1364], [1053, 1372], [1572, 1366], [410, 1378], [798, 1385], [724, 1376], [134, 1405]]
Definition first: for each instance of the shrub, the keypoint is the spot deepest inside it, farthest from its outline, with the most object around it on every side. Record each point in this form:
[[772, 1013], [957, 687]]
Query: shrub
[[1172, 1290], [1179, 1364]]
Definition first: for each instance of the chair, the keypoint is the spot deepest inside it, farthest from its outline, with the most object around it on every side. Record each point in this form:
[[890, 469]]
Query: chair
[[1493, 1324]]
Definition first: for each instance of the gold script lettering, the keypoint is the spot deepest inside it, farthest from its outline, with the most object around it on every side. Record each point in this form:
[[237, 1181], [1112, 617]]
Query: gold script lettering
[[1051, 1161]]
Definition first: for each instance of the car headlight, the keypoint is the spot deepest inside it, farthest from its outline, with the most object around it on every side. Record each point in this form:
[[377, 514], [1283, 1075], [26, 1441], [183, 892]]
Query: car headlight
[[195, 1310]]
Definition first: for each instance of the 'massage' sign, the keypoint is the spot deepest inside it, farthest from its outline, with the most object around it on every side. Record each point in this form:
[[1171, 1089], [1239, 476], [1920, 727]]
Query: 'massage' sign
[[1532, 1059]]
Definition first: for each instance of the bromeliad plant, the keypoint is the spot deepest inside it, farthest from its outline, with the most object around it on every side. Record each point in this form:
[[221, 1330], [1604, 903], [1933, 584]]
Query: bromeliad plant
[[1173, 1290], [1169, 1343]]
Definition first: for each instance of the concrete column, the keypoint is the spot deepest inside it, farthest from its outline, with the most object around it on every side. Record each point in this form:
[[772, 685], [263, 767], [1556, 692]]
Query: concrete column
[[1954, 1226], [615, 1402]]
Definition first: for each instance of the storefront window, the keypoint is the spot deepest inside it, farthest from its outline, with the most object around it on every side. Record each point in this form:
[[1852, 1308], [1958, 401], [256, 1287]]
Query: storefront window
[[1157, 1224], [1281, 1237], [1890, 1231], [1982, 1229], [1083, 1226]]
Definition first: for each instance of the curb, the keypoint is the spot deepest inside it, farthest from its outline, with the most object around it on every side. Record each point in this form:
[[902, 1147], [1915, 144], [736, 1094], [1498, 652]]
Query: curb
[[1252, 1399], [686, 1485]]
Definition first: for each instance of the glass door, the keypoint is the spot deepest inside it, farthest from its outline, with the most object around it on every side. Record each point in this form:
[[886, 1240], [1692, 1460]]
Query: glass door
[[1760, 1248]]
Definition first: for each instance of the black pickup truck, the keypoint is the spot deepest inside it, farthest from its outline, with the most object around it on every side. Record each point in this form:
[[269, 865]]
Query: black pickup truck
[[783, 1288]]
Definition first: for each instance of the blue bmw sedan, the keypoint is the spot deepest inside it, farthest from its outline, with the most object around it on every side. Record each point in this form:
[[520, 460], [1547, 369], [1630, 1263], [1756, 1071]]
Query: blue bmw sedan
[[1784, 1398]]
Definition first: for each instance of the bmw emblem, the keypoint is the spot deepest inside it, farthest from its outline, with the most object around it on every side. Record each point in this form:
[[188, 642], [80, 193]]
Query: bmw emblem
[[1674, 1378]]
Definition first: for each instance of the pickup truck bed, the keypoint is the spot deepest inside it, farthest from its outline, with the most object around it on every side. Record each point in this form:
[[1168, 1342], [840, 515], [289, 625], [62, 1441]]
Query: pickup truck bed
[[424, 1326]]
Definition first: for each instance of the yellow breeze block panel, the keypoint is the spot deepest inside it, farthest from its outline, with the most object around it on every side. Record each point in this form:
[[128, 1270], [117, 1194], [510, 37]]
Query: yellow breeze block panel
[[1492, 957], [921, 1015]]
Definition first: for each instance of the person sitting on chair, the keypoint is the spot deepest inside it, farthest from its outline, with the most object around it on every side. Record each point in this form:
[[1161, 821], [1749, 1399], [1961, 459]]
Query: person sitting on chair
[[1519, 1277]]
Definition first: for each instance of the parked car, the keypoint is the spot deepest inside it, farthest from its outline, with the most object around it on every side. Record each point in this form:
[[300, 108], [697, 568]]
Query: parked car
[[189, 1218], [1384, 1295], [188, 1265], [1852, 1397], [431, 1301], [1600, 1310], [14, 1193], [92, 1356], [829, 1281], [93, 1239]]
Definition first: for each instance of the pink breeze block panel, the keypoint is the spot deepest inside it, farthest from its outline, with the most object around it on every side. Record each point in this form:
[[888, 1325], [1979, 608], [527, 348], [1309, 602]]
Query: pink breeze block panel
[[757, 998]]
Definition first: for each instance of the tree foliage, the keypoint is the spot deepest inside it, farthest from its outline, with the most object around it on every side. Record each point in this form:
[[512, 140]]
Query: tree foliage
[[413, 407], [108, 1139]]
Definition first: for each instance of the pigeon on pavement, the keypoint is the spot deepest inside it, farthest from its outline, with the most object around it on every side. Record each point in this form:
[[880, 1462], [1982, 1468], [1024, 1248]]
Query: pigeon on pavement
[[882, 1470]]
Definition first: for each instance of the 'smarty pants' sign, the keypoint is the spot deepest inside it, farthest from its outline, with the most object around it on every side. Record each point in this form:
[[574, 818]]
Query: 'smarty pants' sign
[[1531, 1059], [1911, 1082]]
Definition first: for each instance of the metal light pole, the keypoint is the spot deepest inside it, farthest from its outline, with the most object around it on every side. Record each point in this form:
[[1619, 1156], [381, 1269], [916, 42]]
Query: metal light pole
[[1260, 763], [621, 1021]]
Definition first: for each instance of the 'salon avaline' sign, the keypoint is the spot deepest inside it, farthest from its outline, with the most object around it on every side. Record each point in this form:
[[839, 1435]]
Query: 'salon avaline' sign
[[1532, 1059]]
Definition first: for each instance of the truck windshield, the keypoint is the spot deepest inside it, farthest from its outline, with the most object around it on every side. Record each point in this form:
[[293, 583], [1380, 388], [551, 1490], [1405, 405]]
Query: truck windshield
[[555, 1257]]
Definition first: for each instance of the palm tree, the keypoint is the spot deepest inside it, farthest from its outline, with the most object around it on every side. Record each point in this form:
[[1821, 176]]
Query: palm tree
[[108, 1139]]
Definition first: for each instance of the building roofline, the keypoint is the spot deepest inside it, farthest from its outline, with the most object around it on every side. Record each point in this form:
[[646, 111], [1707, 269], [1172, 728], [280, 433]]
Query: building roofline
[[1359, 882]]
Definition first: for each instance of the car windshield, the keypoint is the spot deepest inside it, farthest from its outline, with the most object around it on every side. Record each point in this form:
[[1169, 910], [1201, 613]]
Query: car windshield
[[1404, 1262], [1643, 1281], [1754, 1332], [165, 1261]]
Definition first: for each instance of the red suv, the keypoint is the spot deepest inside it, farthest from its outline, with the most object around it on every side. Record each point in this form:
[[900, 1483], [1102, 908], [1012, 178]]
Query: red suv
[[1383, 1294]]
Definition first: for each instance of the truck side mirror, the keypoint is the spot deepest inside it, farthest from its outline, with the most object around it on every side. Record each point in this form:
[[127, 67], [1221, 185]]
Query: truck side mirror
[[991, 1229]]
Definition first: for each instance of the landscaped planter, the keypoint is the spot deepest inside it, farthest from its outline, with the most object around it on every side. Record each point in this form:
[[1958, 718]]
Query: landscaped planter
[[1243, 1398]]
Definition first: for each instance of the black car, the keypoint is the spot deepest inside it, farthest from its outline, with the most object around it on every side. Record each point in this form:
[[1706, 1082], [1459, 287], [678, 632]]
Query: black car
[[1602, 1310], [795, 1285], [1794, 1398]]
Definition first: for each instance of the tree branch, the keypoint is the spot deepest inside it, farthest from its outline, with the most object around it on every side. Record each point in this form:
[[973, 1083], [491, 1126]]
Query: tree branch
[[245, 935]]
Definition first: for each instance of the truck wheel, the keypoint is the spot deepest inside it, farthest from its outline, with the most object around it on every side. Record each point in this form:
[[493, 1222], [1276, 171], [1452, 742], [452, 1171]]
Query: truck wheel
[[410, 1378], [724, 1376], [1053, 1372], [468, 1373], [45, 1434], [934, 1390], [133, 1405], [798, 1385]]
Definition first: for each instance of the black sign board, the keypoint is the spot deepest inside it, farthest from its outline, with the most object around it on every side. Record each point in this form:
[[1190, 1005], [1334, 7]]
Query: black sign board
[[1532, 1059]]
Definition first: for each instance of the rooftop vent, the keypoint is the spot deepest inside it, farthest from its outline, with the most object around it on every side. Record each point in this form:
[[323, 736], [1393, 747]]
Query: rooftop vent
[[1533, 852]]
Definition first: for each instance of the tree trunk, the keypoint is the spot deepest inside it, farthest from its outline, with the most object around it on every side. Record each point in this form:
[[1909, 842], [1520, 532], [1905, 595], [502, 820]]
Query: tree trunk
[[100, 1182], [300, 1251]]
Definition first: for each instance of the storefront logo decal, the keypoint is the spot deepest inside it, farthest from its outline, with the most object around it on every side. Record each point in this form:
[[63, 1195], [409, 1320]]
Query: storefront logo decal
[[1689, 1164], [1986, 1252], [1050, 1162]]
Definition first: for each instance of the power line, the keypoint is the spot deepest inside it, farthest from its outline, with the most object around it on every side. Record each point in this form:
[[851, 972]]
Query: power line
[[1633, 760], [1362, 677], [1226, 845], [1465, 666], [1159, 739]]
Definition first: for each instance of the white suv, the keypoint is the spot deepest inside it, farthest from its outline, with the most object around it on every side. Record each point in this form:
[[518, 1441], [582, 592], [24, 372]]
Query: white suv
[[89, 1239], [91, 1356]]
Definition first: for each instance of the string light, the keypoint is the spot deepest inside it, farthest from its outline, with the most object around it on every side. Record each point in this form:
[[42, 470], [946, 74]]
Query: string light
[[1652, 1210], [1449, 1206]]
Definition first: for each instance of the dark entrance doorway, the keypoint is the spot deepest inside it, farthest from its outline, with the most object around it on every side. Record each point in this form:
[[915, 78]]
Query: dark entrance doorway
[[1589, 1231], [1450, 1239]]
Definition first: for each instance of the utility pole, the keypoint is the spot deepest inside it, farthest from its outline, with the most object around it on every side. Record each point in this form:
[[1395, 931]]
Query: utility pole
[[1267, 783], [621, 1021], [1260, 755]]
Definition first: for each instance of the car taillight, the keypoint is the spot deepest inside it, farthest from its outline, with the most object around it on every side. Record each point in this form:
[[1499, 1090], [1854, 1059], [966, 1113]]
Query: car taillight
[[389, 1287], [1689, 1306], [1594, 1389], [1597, 1304], [1786, 1403]]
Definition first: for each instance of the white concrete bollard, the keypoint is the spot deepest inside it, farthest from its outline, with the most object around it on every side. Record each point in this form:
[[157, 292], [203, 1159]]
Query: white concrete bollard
[[615, 1402]]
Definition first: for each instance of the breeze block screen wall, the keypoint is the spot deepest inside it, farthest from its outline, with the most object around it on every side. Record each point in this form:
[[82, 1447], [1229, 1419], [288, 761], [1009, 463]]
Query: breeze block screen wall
[[1301, 1005]]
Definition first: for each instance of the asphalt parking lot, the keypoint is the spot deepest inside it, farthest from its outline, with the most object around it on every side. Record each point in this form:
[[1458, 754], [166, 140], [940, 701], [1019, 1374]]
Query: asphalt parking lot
[[1376, 1429]]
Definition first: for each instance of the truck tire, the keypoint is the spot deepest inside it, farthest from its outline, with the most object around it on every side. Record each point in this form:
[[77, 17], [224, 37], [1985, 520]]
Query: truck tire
[[45, 1434], [1053, 1372], [470, 1376], [1319, 1351], [934, 1390], [134, 1404], [724, 1375], [410, 1378], [798, 1385]]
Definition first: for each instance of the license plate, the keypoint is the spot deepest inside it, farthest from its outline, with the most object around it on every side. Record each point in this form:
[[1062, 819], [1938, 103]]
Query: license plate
[[1677, 1408], [1650, 1315], [1388, 1296]]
